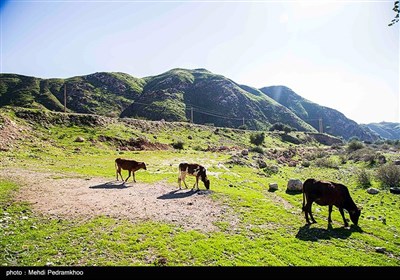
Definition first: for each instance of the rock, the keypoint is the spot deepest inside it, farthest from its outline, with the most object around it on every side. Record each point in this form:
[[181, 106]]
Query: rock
[[380, 249], [79, 139], [273, 186], [395, 190], [372, 191], [294, 185]]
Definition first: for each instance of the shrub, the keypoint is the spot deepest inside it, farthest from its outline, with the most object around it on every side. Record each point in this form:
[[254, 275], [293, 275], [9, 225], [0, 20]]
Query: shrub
[[343, 159], [178, 145], [281, 127], [257, 138], [326, 162], [388, 175], [364, 154], [271, 170], [354, 145], [363, 178], [198, 148], [287, 129], [257, 149]]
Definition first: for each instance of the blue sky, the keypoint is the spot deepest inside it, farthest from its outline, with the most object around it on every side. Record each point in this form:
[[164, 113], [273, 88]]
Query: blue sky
[[339, 54]]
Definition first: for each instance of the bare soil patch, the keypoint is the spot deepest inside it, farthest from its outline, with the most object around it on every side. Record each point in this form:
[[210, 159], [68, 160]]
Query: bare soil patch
[[10, 132], [61, 196]]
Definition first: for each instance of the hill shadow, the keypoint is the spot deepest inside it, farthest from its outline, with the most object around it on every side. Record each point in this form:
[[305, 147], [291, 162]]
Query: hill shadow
[[182, 194], [111, 185], [306, 233]]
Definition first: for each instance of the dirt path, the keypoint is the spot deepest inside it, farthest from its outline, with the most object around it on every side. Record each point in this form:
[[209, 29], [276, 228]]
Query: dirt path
[[64, 197]]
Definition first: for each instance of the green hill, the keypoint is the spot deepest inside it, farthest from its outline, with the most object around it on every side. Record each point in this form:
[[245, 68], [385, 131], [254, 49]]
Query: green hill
[[184, 95]]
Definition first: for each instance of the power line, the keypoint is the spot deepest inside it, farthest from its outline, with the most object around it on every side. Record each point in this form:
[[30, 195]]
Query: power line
[[216, 115], [195, 108]]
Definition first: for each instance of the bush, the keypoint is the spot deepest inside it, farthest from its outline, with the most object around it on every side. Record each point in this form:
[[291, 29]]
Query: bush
[[327, 163], [355, 145], [363, 178], [389, 175], [271, 170], [257, 149], [281, 127], [257, 138], [178, 145], [364, 154]]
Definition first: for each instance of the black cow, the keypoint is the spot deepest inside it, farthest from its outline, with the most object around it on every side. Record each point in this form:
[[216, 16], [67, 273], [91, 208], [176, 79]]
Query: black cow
[[329, 193], [193, 169]]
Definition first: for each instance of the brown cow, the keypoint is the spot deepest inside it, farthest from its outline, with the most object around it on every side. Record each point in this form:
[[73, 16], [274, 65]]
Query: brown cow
[[329, 193], [193, 169], [130, 165]]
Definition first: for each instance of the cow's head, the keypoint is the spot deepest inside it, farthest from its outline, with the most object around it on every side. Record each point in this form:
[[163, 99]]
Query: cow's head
[[143, 166], [207, 183], [355, 215]]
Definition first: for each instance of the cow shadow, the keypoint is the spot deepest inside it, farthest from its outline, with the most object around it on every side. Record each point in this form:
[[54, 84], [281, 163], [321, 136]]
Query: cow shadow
[[111, 185], [179, 193], [308, 233]]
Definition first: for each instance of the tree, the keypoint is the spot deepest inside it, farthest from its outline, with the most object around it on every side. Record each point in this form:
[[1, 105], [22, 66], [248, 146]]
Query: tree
[[396, 10]]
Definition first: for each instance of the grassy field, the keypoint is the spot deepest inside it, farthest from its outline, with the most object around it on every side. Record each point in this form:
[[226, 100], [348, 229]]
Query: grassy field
[[270, 228]]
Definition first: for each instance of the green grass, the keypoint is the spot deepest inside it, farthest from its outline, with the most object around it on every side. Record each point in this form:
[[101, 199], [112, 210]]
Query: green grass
[[270, 229]]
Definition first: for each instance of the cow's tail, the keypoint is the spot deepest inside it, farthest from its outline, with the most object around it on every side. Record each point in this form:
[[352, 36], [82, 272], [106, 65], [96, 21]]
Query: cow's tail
[[304, 199]]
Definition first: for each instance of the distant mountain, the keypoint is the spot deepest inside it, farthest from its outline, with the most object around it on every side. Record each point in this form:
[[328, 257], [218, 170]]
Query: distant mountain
[[387, 130], [322, 118], [178, 95]]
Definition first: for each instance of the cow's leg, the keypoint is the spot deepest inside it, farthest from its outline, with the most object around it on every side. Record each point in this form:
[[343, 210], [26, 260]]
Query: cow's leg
[[134, 179], [346, 224], [329, 214], [126, 180], [183, 179], [196, 184], [306, 211], [310, 211], [119, 172], [180, 179]]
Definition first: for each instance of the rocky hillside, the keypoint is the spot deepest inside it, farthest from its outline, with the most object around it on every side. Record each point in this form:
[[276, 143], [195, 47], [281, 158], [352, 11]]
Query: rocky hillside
[[322, 118], [178, 95], [387, 130]]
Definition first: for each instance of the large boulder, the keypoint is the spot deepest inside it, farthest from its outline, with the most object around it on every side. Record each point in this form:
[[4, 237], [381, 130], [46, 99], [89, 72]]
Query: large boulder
[[294, 185]]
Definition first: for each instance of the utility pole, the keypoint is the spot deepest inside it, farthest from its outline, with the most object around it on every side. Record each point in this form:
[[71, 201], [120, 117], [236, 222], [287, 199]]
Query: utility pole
[[243, 122], [320, 126], [191, 114], [65, 98]]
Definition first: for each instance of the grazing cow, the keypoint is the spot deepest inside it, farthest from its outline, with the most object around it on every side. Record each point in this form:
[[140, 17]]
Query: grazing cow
[[130, 165], [329, 193], [193, 169]]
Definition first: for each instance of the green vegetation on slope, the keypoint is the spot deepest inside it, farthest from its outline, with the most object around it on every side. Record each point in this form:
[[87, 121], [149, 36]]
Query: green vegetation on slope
[[270, 229]]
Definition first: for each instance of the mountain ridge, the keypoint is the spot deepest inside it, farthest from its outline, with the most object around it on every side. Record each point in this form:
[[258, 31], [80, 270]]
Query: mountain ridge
[[178, 94]]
